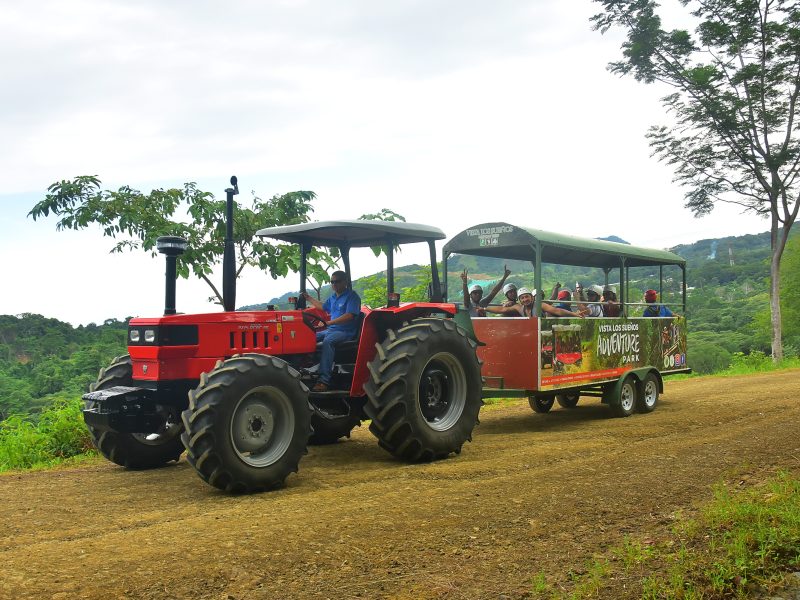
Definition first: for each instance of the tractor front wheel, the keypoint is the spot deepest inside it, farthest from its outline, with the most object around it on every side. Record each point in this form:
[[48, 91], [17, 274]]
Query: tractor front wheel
[[247, 424], [424, 392], [134, 450]]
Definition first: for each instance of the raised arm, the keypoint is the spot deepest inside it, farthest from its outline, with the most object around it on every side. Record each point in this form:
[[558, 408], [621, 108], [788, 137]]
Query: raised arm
[[498, 287], [556, 289], [467, 303]]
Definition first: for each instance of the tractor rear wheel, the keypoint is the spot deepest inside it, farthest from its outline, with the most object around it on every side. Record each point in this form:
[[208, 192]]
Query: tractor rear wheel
[[424, 391], [541, 404], [134, 450], [568, 400], [247, 424]]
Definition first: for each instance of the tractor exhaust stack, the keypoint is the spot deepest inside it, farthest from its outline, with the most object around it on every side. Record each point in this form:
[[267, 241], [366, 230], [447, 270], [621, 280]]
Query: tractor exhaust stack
[[229, 259]]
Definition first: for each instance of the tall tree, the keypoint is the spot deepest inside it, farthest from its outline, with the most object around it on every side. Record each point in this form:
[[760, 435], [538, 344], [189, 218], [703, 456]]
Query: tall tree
[[736, 81], [136, 220]]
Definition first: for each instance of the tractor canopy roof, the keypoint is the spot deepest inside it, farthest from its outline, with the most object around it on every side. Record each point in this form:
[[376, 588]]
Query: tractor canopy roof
[[353, 234], [506, 241]]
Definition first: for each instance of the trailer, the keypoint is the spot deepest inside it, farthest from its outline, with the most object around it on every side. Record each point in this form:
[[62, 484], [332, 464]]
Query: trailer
[[623, 360]]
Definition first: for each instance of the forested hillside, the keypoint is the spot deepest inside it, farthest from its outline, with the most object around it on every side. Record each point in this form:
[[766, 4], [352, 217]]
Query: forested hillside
[[45, 359]]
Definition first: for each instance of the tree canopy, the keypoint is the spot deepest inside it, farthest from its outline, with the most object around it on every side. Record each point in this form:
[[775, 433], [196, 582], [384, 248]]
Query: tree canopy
[[735, 80], [136, 220]]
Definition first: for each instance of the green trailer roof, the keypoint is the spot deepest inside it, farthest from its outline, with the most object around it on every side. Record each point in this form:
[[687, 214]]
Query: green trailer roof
[[506, 241], [353, 234]]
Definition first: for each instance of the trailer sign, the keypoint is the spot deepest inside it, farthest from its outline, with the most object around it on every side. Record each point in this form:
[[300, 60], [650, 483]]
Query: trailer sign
[[489, 236]]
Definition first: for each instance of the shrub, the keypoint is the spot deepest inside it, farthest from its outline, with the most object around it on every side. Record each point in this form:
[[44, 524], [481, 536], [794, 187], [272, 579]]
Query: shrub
[[58, 433], [22, 445], [63, 426], [708, 358]]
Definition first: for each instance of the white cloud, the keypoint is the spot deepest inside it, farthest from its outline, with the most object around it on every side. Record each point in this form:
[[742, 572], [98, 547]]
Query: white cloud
[[449, 112]]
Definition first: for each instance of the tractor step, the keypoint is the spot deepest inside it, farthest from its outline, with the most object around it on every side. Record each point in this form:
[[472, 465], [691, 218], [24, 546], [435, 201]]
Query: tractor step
[[329, 394]]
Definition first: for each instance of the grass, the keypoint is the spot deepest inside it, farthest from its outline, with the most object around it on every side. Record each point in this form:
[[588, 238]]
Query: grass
[[58, 433], [745, 364], [740, 542]]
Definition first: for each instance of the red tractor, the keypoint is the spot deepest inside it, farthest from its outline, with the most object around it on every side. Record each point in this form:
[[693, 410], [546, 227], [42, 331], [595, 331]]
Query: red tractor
[[232, 388]]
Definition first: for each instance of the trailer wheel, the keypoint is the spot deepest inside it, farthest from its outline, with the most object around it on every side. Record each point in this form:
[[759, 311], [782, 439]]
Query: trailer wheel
[[247, 424], [625, 398], [568, 400], [648, 398], [328, 431], [424, 392], [134, 450], [541, 404]]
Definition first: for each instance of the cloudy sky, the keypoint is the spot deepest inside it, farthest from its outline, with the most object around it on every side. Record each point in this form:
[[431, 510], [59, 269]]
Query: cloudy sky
[[450, 112]]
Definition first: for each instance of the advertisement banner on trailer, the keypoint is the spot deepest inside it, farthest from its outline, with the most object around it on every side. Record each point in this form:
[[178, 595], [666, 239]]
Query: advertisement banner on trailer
[[581, 351]]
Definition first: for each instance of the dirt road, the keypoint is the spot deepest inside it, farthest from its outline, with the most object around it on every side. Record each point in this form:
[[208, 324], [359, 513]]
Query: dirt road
[[532, 493]]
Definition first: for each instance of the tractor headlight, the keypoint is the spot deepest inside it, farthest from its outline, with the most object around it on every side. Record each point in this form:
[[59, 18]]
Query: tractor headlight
[[149, 336], [134, 335]]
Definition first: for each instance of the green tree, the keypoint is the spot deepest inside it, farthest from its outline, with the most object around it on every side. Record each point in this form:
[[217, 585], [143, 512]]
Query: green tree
[[136, 220], [735, 81], [790, 290]]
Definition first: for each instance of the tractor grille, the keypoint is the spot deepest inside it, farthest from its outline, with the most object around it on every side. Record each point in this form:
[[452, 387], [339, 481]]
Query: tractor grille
[[249, 339]]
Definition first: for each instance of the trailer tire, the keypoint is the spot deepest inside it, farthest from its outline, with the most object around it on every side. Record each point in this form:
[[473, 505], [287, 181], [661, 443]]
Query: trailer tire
[[133, 450], [424, 391], [329, 431], [624, 398], [568, 400], [648, 395], [248, 424], [541, 404]]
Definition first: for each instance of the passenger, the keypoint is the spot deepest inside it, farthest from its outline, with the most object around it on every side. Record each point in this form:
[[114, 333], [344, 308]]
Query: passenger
[[564, 295], [510, 292], [525, 307], [655, 310], [611, 307], [593, 293], [473, 298]]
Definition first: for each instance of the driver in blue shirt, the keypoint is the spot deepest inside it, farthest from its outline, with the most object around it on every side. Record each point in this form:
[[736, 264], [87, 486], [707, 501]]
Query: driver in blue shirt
[[343, 306]]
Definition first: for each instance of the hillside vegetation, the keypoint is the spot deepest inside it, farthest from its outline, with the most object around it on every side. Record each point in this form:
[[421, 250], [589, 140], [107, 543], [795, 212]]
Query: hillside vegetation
[[45, 362]]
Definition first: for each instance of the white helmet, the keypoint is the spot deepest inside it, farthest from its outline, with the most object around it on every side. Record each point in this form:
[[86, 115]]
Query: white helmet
[[596, 289], [523, 291], [475, 287], [508, 287]]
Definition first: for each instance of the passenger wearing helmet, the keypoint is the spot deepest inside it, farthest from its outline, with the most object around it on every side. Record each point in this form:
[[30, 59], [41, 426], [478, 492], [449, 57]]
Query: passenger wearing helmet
[[525, 307], [594, 308], [510, 292], [473, 297]]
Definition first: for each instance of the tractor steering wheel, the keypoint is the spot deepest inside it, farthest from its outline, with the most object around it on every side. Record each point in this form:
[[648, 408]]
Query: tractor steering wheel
[[313, 321]]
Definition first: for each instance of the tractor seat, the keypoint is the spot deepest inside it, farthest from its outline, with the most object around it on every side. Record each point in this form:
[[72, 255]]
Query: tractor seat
[[349, 345]]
